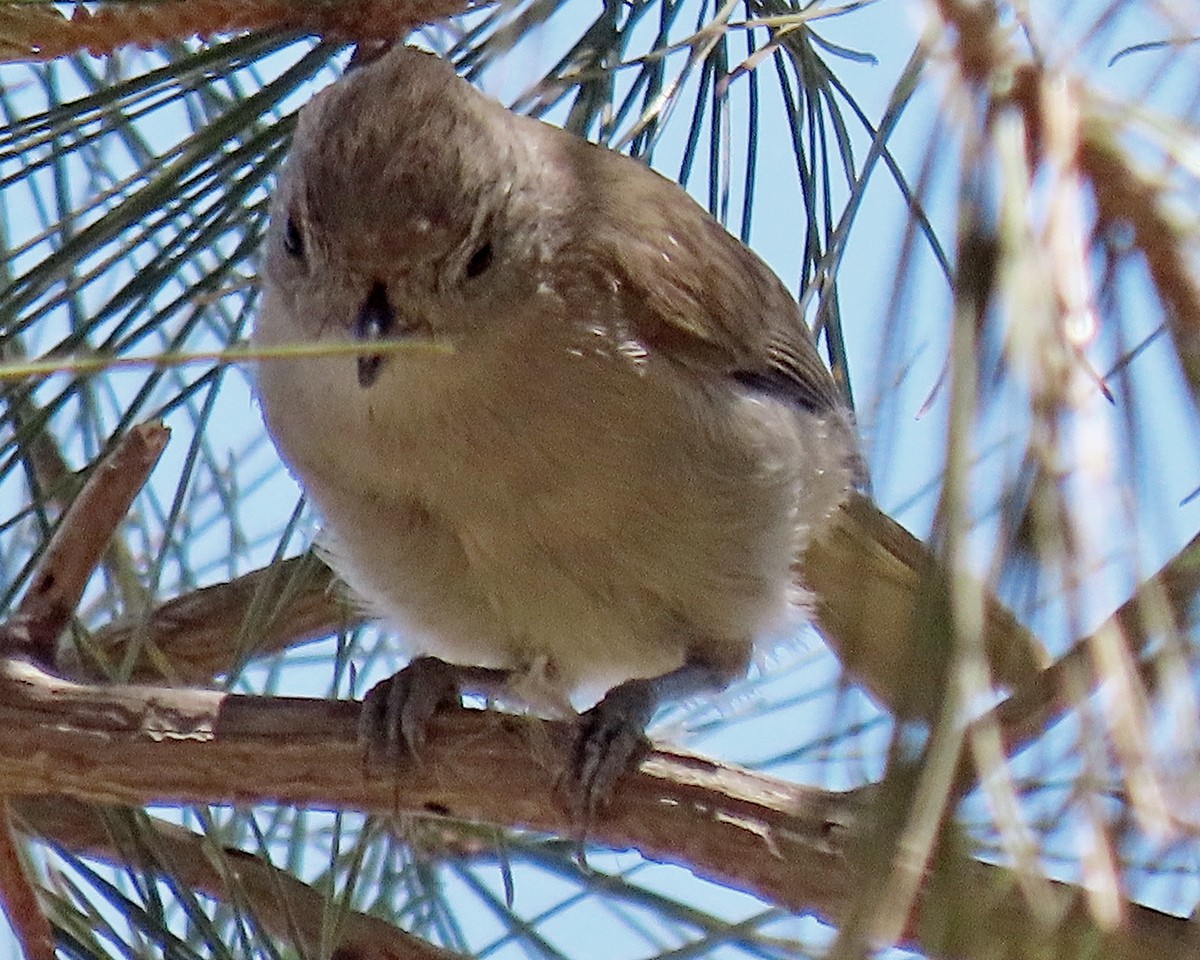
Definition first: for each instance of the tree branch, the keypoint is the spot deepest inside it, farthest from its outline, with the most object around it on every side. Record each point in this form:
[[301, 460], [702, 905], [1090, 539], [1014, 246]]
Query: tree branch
[[38, 33], [63, 571], [286, 906], [789, 844], [79, 541], [194, 637], [30, 926]]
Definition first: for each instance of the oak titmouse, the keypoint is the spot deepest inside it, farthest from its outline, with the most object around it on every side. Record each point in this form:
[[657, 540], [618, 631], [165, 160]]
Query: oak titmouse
[[604, 481]]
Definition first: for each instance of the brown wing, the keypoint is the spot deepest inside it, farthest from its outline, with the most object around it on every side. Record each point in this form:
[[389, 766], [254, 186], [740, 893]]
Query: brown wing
[[694, 292], [796, 376]]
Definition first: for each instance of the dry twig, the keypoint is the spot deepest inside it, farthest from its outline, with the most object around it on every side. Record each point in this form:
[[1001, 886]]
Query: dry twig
[[37, 32], [79, 541]]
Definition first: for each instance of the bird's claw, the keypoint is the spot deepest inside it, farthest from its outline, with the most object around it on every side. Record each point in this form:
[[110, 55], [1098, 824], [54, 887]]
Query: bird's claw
[[395, 713], [609, 740]]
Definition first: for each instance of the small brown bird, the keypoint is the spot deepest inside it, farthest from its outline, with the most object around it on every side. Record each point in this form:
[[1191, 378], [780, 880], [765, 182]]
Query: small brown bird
[[603, 485]]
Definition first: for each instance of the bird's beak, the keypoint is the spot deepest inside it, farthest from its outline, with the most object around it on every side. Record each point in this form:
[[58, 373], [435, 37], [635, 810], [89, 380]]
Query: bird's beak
[[375, 320]]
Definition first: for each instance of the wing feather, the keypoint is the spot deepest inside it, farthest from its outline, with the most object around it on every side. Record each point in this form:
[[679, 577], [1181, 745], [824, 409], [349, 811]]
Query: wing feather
[[694, 293]]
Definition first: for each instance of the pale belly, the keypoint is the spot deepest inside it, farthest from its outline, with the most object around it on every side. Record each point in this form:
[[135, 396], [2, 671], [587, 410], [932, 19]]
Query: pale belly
[[580, 536]]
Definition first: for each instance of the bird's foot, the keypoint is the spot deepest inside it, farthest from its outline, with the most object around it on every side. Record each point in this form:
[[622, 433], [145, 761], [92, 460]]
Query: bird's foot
[[395, 713], [609, 740]]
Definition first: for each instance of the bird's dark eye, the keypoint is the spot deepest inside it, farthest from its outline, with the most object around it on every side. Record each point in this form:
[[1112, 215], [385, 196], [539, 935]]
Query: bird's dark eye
[[293, 242], [480, 260]]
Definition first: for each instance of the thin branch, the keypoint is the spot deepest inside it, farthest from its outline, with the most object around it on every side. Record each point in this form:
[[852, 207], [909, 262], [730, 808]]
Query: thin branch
[[867, 574], [201, 634], [38, 32], [1124, 195], [78, 543], [1161, 603], [30, 926], [286, 906]]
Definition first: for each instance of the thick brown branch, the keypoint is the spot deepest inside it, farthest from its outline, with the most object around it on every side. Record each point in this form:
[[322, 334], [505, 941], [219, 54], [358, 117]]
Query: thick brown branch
[[139, 745], [789, 844]]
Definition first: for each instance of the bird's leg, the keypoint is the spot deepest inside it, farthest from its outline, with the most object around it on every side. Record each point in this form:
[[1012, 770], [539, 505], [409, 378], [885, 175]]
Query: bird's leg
[[396, 712], [610, 737]]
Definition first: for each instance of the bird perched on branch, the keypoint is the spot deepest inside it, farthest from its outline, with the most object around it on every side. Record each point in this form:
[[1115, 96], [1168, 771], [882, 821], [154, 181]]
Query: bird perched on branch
[[592, 465]]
